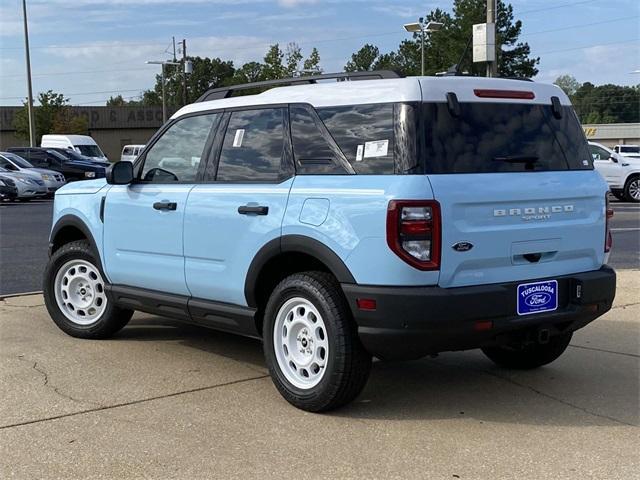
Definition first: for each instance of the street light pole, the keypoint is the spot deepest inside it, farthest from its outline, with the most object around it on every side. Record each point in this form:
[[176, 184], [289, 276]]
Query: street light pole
[[420, 27], [492, 67], [164, 100], [29, 89], [422, 48]]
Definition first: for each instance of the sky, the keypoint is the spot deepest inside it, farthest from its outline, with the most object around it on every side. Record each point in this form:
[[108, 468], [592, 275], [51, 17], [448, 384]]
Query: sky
[[92, 49]]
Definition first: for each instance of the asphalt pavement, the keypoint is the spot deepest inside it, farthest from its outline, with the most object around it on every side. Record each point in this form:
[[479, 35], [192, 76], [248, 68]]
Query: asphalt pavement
[[24, 233]]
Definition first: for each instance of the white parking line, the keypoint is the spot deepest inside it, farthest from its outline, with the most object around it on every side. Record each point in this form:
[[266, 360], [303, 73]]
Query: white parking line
[[625, 229]]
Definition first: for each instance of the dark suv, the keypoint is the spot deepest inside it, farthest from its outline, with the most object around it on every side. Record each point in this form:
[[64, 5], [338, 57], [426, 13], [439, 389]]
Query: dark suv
[[48, 158]]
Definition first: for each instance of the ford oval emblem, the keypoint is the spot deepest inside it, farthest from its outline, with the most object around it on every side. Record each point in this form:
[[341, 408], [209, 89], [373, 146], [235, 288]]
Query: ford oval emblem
[[537, 299], [462, 246]]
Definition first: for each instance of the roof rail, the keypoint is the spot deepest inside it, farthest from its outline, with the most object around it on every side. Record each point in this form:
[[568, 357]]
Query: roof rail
[[226, 92]]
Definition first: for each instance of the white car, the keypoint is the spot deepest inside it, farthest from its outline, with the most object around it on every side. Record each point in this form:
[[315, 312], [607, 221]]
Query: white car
[[628, 150], [622, 173], [131, 152]]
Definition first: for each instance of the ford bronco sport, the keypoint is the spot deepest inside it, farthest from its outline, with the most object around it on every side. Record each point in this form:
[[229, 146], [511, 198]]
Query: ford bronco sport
[[337, 221]]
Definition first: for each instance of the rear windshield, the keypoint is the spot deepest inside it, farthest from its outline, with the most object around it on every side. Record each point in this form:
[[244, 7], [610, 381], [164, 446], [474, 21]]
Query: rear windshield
[[89, 150], [502, 137]]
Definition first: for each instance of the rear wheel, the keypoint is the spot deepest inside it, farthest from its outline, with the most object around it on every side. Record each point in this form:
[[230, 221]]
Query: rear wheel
[[632, 189], [311, 346], [75, 296], [529, 356]]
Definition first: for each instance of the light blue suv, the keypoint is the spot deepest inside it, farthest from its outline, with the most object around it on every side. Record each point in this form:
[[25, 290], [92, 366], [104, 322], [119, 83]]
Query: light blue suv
[[337, 221]]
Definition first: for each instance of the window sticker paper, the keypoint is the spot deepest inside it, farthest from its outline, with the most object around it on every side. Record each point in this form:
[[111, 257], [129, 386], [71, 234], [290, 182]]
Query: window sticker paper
[[378, 148], [237, 140]]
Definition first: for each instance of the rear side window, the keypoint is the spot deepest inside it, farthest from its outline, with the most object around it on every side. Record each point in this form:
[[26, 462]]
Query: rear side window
[[502, 137], [253, 147], [365, 134], [313, 153]]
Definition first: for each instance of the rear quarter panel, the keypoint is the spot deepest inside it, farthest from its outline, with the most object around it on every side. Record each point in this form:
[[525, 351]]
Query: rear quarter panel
[[348, 214]]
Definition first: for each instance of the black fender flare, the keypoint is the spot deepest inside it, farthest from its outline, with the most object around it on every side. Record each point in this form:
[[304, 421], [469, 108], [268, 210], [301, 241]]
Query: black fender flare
[[73, 221], [293, 243]]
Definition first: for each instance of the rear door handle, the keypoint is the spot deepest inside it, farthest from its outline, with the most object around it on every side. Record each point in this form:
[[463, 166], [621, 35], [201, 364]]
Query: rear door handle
[[253, 210], [165, 205]]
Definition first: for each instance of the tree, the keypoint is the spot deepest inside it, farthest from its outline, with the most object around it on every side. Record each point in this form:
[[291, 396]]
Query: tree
[[568, 84], [207, 73], [363, 60], [312, 63], [607, 103], [445, 48], [119, 101], [53, 115]]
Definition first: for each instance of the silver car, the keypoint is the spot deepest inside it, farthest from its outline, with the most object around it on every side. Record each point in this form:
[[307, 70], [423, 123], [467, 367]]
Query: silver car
[[28, 186], [15, 163]]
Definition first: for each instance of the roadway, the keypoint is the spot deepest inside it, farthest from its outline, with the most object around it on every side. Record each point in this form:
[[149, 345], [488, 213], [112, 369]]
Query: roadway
[[24, 231]]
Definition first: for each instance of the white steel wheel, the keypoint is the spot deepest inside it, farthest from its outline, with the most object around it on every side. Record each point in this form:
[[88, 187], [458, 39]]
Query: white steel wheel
[[79, 292], [300, 343]]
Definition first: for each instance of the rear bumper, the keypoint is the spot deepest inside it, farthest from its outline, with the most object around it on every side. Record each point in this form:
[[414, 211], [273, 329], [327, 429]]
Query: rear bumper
[[411, 322]]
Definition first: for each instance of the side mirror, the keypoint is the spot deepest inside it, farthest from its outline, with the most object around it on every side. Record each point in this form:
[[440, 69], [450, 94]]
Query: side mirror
[[613, 159], [120, 173]]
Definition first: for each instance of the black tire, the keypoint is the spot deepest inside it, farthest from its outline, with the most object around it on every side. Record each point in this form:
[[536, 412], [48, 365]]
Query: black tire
[[112, 319], [632, 185], [348, 364], [529, 356]]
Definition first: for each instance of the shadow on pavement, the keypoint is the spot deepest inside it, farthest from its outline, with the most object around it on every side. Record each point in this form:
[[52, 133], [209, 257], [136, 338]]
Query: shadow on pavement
[[569, 392]]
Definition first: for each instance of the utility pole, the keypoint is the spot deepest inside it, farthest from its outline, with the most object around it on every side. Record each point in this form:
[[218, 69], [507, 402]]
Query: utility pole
[[32, 135], [184, 71], [492, 66]]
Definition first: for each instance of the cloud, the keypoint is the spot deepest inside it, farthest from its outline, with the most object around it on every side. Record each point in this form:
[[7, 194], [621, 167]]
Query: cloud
[[295, 3]]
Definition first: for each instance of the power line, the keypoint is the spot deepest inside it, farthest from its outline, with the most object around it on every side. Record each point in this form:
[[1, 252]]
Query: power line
[[633, 40], [524, 12]]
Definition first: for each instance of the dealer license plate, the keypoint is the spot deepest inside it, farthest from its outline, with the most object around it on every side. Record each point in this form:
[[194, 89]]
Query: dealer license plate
[[537, 297]]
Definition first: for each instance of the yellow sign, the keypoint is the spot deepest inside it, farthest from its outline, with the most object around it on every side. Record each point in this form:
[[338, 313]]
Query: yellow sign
[[590, 131]]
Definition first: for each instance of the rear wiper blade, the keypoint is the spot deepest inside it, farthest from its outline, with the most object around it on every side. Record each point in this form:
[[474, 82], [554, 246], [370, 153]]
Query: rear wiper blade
[[517, 159]]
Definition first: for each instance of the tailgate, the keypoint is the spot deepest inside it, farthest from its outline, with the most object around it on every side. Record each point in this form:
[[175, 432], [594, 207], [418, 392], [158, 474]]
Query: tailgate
[[521, 225]]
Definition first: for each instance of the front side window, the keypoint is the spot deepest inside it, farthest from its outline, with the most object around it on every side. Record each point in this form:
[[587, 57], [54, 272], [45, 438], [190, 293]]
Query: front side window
[[253, 147], [176, 155], [365, 134], [90, 150]]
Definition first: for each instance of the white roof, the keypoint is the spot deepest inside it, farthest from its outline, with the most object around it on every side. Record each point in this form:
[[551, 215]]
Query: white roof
[[74, 139], [410, 89]]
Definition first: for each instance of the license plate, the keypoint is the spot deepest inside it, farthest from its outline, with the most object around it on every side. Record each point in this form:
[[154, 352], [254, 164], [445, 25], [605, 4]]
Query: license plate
[[537, 297]]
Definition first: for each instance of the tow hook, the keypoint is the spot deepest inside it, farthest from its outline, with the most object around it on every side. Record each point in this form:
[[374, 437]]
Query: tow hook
[[543, 336]]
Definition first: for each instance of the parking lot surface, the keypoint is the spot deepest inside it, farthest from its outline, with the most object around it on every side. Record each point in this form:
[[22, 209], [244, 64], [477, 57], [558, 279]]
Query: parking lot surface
[[163, 400]]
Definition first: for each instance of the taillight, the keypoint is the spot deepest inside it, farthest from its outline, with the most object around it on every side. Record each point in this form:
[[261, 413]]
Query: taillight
[[413, 232], [608, 239]]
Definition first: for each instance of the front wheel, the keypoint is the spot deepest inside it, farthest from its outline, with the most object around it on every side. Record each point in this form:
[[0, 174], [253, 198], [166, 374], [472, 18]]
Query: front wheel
[[529, 356], [75, 296], [311, 345]]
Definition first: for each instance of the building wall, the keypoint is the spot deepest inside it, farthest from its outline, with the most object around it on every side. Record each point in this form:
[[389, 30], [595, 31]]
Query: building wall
[[610, 134], [110, 127]]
